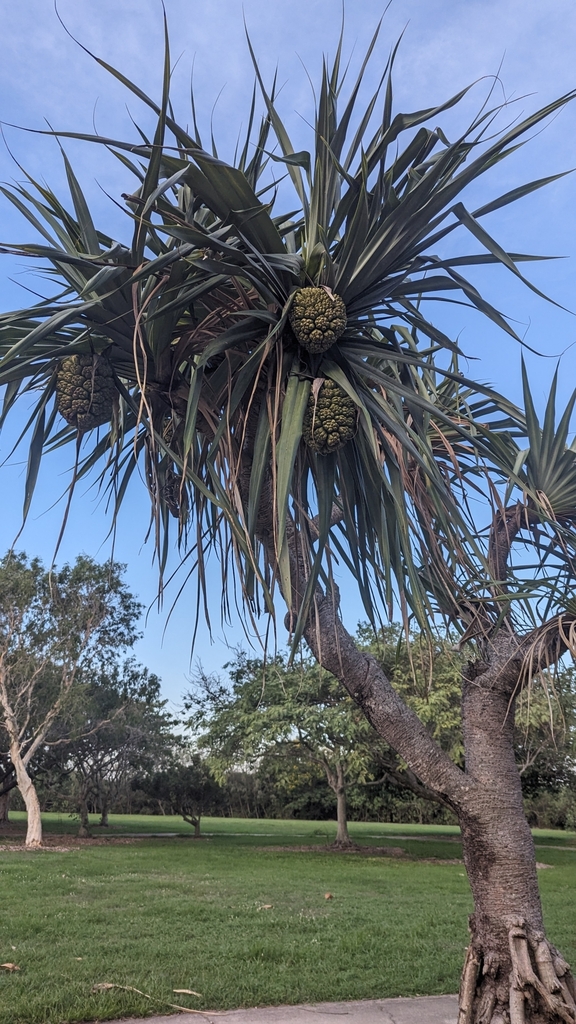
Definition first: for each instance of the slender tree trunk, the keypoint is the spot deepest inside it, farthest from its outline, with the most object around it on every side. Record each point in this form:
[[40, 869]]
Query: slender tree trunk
[[194, 820], [342, 836], [4, 807], [104, 815], [30, 798], [84, 830], [342, 840], [23, 780]]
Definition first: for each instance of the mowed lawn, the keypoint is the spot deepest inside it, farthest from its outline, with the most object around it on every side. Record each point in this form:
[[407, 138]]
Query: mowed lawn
[[240, 921]]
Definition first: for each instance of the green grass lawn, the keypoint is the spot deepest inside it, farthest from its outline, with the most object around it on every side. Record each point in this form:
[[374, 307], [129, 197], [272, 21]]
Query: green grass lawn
[[239, 922]]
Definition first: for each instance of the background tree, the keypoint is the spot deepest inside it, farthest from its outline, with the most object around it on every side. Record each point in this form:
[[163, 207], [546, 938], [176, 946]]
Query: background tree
[[276, 373], [7, 784], [274, 712], [116, 729], [290, 728], [427, 673], [187, 787], [546, 751], [55, 629]]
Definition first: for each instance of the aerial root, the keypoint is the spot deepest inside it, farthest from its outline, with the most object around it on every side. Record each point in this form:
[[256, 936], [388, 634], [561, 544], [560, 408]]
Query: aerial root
[[470, 974], [551, 980], [486, 1006], [540, 985]]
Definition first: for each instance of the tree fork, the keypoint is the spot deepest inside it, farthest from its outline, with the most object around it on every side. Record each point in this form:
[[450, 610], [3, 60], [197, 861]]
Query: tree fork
[[499, 985], [367, 684]]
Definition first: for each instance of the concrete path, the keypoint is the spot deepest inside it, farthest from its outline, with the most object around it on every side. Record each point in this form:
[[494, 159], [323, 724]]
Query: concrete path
[[421, 1010]]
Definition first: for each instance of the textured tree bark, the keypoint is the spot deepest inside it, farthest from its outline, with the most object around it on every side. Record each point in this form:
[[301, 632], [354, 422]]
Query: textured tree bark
[[512, 973], [367, 684]]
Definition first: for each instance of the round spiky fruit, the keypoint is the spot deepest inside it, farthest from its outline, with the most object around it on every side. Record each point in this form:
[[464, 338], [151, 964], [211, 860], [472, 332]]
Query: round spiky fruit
[[318, 318], [85, 391], [330, 420]]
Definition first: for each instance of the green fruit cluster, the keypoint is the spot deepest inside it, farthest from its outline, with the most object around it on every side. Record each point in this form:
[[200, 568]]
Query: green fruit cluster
[[317, 318], [330, 420], [85, 391]]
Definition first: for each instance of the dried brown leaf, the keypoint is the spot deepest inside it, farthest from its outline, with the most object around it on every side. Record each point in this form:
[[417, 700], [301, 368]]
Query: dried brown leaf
[[11, 967]]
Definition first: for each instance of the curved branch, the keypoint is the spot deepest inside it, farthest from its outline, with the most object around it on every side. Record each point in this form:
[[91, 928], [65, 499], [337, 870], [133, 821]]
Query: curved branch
[[506, 526], [407, 780], [336, 516], [362, 677]]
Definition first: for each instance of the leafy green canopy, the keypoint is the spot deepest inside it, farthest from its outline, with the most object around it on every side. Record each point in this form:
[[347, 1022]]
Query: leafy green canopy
[[59, 631], [192, 315], [295, 712]]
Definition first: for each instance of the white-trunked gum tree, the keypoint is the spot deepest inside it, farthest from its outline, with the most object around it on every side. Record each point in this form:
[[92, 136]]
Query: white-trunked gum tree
[[275, 374], [58, 629]]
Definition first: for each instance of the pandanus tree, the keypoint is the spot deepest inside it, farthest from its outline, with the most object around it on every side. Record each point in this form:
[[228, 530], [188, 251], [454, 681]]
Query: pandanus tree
[[276, 379]]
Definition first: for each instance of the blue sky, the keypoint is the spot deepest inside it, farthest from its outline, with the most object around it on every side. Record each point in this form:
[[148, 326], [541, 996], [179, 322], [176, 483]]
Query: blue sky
[[46, 77]]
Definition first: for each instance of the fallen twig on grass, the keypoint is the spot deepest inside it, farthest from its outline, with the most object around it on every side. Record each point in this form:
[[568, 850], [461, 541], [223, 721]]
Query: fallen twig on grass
[[105, 986]]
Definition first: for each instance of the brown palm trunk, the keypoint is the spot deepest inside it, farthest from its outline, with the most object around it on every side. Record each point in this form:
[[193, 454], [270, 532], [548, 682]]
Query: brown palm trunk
[[512, 972]]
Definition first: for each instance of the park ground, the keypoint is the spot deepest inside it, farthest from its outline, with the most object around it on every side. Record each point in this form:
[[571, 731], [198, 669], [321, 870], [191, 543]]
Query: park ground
[[255, 913]]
